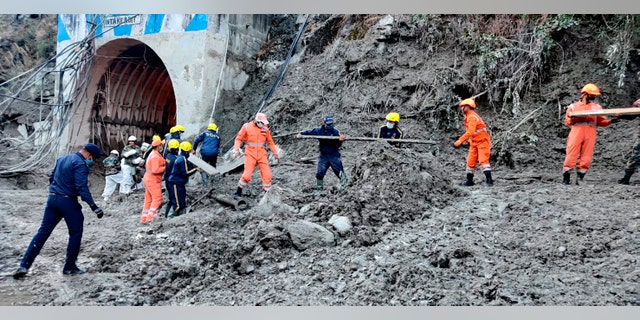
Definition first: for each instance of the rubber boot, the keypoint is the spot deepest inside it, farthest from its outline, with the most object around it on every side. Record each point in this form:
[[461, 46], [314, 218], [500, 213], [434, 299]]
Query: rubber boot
[[238, 193], [469, 181], [566, 178], [488, 180], [626, 178], [320, 184], [181, 211], [169, 213], [580, 177], [205, 179], [344, 180]]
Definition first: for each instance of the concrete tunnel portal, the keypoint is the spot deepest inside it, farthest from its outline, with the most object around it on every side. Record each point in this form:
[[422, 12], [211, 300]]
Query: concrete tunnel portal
[[134, 94]]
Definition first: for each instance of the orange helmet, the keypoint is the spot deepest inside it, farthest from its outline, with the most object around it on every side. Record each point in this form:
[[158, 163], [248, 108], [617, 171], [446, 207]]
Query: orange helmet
[[590, 89], [468, 102]]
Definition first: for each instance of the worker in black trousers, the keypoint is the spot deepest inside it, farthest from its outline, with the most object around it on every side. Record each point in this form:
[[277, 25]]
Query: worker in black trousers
[[68, 180]]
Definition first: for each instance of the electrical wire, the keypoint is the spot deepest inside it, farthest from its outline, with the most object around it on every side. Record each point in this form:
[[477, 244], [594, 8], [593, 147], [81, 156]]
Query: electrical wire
[[34, 153]]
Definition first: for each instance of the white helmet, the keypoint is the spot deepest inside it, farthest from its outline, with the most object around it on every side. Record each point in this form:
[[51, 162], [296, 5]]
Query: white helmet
[[115, 152], [132, 138]]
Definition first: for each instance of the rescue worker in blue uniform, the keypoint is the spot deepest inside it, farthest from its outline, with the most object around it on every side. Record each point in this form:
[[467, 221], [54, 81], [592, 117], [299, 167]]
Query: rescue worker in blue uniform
[[210, 140], [329, 152], [171, 157], [68, 180], [174, 133], [179, 177], [391, 129]]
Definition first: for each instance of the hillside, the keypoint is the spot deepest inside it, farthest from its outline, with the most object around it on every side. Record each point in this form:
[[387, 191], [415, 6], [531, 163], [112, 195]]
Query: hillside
[[417, 237]]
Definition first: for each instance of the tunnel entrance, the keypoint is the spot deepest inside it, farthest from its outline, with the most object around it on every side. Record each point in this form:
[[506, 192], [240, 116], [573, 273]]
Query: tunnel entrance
[[134, 95]]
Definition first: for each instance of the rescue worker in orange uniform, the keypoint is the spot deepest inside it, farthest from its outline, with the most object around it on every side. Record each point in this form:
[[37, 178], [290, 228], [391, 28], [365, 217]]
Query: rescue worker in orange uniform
[[255, 135], [155, 167], [582, 137], [479, 143]]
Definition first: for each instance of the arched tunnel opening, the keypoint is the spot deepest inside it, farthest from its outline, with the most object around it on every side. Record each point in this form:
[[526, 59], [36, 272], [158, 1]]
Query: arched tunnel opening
[[134, 95]]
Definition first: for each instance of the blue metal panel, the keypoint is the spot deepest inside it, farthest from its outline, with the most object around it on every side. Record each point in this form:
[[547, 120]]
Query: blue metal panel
[[198, 23], [95, 18], [122, 31], [62, 30], [154, 23]]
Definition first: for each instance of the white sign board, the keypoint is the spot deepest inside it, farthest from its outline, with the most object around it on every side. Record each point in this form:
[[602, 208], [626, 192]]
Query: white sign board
[[114, 21]]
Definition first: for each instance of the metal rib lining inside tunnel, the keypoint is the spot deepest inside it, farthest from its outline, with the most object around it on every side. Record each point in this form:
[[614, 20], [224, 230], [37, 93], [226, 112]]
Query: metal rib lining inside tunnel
[[135, 96]]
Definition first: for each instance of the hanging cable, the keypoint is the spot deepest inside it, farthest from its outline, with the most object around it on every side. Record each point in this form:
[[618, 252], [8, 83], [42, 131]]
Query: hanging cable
[[285, 64]]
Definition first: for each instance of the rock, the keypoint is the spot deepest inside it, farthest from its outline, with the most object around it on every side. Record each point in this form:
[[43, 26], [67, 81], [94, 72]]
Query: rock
[[341, 224], [305, 234]]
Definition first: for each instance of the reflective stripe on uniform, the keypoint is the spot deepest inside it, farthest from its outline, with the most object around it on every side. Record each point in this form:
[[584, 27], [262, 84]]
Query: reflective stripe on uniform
[[253, 144], [592, 124]]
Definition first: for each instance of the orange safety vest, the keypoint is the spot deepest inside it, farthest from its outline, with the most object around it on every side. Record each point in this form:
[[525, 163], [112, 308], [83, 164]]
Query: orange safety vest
[[255, 140], [476, 130]]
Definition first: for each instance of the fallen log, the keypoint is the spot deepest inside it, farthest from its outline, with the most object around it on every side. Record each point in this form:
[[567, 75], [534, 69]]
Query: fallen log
[[239, 204], [605, 112], [199, 199]]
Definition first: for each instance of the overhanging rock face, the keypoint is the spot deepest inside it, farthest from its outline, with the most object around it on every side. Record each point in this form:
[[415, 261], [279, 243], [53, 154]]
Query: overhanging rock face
[[151, 72]]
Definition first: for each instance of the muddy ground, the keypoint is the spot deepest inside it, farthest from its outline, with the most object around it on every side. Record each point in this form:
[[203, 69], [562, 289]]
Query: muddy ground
[[417, 238]]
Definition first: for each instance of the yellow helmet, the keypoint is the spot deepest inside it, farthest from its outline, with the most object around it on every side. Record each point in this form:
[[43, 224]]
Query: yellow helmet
[[393, 117], [156, 138], [590, 89], [173, 130], [185, 146], [212, 126], [469, 103], [174, 144], [179, 128]]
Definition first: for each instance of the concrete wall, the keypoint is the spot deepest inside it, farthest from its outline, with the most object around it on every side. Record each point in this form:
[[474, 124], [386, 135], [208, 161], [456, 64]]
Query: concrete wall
[[191, 46]]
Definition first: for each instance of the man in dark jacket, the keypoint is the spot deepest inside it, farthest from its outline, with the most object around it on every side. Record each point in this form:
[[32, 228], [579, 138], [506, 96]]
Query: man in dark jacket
[[329, 152], [210, 140], [68, 180], [179, 177], [391, 130], [171, 157]]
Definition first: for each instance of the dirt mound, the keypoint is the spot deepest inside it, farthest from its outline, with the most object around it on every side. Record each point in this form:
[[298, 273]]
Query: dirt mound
[[416, 237]]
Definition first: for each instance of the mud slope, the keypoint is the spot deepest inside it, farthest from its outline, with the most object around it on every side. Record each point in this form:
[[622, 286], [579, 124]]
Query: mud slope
[[415, 237]]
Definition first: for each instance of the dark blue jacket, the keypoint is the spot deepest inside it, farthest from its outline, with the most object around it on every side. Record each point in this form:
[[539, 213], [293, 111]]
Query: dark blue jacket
[[210, 143], [387, 133], [181, 170], [70, 177], [167, 138], [171, 160], [326, 146]]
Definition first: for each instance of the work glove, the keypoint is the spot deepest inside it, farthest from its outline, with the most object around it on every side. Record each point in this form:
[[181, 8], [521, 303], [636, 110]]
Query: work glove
[[236, 153], [97, 210], [637, 103], [615, 120]]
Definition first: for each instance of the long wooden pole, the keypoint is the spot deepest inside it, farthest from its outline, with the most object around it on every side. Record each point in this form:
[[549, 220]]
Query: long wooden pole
[[368, 139], [606, 112]]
